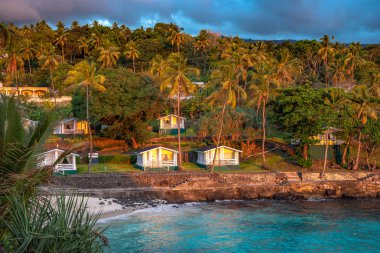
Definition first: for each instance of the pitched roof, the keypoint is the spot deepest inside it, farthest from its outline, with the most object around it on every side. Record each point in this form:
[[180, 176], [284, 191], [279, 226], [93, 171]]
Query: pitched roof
[[171, 115], [210, 147], [57, 149], [151, 148]]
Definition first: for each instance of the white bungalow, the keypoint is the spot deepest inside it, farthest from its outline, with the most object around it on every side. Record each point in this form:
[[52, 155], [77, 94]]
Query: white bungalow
[[169, 123], [71, 126], [66, 166], [156, 157], [224, 156]]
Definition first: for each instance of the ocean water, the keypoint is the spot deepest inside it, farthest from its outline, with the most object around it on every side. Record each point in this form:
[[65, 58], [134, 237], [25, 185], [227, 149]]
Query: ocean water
[[249, 226]]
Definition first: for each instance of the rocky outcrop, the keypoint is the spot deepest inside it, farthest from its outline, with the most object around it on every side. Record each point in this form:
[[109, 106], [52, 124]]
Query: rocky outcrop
[[185, 187]]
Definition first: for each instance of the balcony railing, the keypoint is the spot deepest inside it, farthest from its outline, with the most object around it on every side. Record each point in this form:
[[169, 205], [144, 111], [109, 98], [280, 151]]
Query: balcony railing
[[62, 167], [224, 162], [158, 164], [72, 131]]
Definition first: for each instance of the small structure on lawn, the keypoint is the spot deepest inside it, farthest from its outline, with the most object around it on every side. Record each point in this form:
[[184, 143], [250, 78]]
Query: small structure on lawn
[[168, 124], [156, 157], [225, 156], [71, 126], [66, 166], [317, 150]]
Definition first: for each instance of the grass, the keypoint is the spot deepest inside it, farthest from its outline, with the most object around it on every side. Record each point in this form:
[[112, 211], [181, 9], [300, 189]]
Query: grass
[[107, 167]]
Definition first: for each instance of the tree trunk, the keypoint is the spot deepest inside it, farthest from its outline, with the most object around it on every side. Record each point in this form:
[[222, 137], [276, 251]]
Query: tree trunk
[[344, 159], [326, 151], [179, 129], [356, 166], [133, 61], [134, 143], [219, 135], [264, 134], [88, 127], [304, 151], [52, 85], [63, 55], [30, 69], [326, 74]]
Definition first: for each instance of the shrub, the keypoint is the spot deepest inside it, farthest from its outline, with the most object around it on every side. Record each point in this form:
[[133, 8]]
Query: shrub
[[117, 159]]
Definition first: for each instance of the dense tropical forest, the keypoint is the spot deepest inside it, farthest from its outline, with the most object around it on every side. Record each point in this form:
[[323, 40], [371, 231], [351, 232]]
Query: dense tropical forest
[[253, 89]]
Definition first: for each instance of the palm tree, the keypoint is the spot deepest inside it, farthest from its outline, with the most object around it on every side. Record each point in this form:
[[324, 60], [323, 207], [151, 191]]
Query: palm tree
[[108, 55], [176, 37], [18, 148], [50, 60], [83, 45], [61, 41], [5, 36], [286, 68], [158, 66], [338, 72], [201, 44], [365, 108], [14, 64], [84, 75], [324, 52], [263, 86], [353, 59], [177, 82], [132, 53], [227, 77], [28, 53], [336, 100]]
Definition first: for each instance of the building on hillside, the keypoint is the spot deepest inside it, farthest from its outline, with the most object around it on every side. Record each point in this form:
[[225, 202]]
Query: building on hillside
[[71, 126], [66, 166], [156, 157], [225, 156], [168, 124], [317, 150], [31, 92]]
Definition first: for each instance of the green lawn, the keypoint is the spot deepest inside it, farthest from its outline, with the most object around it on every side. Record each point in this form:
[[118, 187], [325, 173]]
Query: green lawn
[[107, 167]]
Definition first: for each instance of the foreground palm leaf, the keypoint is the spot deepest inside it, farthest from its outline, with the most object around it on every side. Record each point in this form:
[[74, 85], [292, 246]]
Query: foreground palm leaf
[[53, 224]]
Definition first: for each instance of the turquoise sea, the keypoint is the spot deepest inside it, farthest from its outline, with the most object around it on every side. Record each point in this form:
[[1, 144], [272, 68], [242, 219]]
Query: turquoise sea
[[250, 226]]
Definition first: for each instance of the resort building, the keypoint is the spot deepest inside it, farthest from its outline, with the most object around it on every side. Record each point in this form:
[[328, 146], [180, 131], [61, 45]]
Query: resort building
[[225, 156], [317, 150], [31, 92], [66, 166], [168, 124], [71, 126], [156, 157]]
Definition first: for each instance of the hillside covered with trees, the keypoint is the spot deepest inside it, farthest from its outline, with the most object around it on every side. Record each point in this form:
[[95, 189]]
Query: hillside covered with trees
[[252, 91]]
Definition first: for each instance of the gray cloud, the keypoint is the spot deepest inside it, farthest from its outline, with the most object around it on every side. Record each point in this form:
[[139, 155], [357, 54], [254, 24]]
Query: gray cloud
[[348, 20]]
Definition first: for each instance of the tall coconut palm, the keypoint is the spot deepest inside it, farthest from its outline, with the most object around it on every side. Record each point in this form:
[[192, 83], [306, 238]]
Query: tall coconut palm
[[176, 37], [227, 78], [365, 108], [158, 66], [338, 72], [263, 87], [324, 52], [28, 53], [353, 59], [108, 55], [286, 67], [50, 60], [177, 82], [14, 64], [201, 44], [5, 36], [83, 45], [61, 41], [336, 100], [84, 75], [131, 52]]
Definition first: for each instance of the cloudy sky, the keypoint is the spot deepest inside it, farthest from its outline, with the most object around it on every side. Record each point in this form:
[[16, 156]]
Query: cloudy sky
[[347, 20]]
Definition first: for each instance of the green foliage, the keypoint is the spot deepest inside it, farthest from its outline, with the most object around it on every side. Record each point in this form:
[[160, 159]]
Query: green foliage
[[52, 224], [129, 102], [78, 104]]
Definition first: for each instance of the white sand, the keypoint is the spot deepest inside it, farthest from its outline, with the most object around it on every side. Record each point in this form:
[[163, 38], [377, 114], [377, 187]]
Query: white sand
[[109, 209]]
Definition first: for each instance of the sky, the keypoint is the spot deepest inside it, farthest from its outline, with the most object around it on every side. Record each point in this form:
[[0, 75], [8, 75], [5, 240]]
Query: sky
[[347, 20]]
